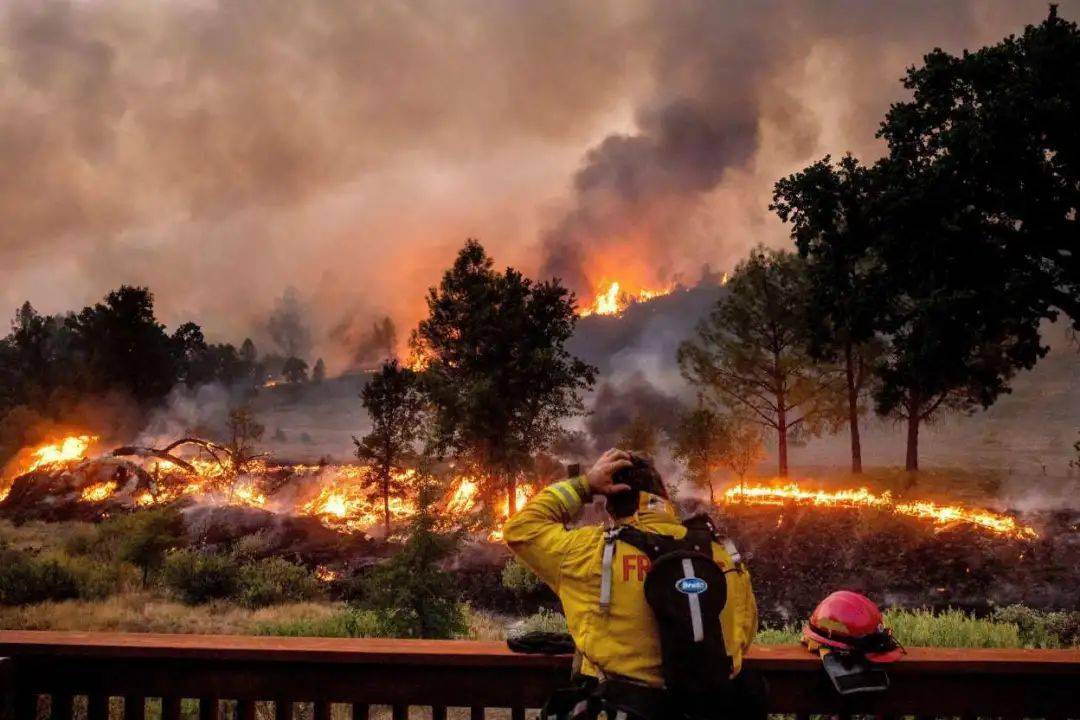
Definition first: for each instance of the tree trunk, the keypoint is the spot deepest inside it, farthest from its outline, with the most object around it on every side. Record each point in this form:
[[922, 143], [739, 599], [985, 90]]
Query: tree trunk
[[386, 504], [781, 417], [511, 499], [914, 411], [781, 442], [853, 411]]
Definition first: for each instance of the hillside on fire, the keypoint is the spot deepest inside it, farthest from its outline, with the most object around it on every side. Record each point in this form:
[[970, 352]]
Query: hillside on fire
[[340, 360]]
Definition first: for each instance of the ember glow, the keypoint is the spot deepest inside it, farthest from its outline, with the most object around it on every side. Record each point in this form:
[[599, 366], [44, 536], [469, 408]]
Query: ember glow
[[941, 516], [614, 300], [98, 491], [346, 503]]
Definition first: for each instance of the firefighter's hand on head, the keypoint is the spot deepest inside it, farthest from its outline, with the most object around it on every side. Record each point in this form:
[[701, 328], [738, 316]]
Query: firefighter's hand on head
[[600, 475]]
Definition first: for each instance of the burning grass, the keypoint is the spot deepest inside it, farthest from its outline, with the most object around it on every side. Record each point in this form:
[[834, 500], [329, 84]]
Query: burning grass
[[941, 516]]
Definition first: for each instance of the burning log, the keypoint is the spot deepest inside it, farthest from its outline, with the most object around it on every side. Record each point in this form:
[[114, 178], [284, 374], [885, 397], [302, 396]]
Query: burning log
[[154, 453]]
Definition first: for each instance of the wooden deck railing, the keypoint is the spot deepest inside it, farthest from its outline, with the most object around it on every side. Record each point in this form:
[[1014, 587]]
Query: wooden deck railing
[[267, 675]]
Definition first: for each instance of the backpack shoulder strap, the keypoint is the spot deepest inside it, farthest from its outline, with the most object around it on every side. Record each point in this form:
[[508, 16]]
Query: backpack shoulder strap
[[701, 528], [652, 544]]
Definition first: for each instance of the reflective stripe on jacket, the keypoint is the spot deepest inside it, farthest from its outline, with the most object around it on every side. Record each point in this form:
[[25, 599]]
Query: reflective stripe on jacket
[[622, 640]]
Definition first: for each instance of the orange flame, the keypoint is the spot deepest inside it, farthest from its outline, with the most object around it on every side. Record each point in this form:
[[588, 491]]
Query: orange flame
[[940, 515], [614, 300], [70, 449], [99, 491], [343, 501], [67, 450]]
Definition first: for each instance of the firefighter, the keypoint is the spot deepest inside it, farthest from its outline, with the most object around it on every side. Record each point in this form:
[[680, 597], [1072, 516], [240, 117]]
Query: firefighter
[[612, 624]]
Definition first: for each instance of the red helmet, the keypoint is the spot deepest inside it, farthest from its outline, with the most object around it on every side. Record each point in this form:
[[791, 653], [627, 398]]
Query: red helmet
[[850, 622]]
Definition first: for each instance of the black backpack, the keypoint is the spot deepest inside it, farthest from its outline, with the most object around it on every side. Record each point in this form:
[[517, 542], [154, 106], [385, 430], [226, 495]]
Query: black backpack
[[686, 590]]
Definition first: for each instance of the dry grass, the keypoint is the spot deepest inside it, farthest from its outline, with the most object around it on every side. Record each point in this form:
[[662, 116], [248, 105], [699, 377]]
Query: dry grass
[[143, 612], [37, 535]]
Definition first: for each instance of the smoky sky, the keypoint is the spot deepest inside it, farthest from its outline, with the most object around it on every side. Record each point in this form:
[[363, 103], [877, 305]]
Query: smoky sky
[[221, 152]]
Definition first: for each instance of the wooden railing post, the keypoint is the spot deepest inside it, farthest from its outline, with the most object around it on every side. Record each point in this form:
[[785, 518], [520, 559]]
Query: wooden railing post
[[7, 688]]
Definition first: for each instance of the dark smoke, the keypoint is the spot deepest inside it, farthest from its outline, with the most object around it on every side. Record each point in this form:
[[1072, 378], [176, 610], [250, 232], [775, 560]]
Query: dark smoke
[[219, 151], [734, 107], [617, 403]]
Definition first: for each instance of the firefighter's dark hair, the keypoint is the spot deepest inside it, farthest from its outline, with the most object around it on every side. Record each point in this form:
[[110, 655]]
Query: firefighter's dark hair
[[641, 476]]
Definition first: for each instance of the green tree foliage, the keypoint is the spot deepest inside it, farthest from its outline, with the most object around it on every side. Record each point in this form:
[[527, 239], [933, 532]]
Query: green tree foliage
[[979, 223], [144, 538], [832, 210], [51, 365], [700, 441], [125, 347], [993, 136], [751, 354], [395, 406], [410, 590], [498, 376]]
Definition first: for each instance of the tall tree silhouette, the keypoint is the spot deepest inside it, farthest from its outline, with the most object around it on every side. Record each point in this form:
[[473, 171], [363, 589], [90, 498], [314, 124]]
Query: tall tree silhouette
[[498, 376]]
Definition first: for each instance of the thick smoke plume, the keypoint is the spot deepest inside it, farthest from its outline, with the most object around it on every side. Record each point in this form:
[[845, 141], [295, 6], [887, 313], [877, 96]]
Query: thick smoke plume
[[221, 151], [743, 93], [617, 404]]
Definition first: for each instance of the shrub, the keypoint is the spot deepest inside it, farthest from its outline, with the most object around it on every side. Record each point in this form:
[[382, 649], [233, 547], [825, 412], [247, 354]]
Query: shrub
[[144, 538], [95, 579], [543, 621], [1042, 629], [274, 580], [197, 577], [519, 579], [254, 546], [351, 622], [786, 635], [411, 595], [25, 578]]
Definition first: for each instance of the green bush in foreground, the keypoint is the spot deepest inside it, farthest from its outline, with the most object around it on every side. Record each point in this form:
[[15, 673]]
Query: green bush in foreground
[[1010, 627], [1042, 629], [519, 579], [350, 622], [26, 578], [198, 577], [273, 581], [410, 592]]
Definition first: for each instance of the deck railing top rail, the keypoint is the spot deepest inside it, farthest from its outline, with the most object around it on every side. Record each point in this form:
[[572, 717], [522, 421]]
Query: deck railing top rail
[[362, 672], [472, 652]]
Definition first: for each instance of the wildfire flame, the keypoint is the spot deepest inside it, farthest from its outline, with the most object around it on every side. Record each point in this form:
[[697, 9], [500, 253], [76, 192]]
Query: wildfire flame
[[940, 515], [614, 300], [67, 450], [98, 491]]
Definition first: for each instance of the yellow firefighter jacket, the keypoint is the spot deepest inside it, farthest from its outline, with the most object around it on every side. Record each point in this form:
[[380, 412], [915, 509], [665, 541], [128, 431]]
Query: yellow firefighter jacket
[[621, 640]]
